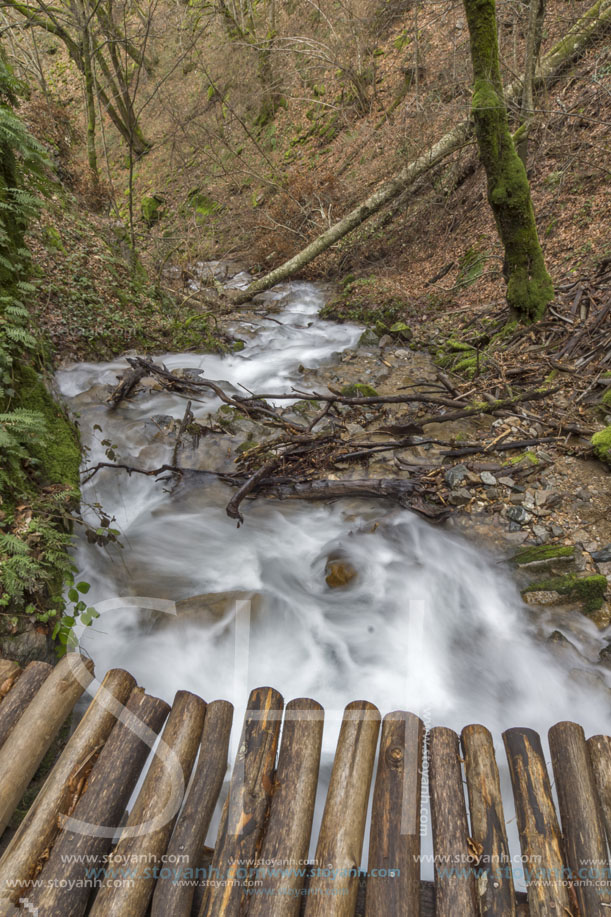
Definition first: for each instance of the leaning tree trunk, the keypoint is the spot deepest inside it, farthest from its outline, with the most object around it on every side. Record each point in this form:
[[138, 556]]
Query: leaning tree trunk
[[529, 286], [592, 24]]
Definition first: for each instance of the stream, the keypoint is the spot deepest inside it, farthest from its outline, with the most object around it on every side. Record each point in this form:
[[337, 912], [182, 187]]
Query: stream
[[431, 624]]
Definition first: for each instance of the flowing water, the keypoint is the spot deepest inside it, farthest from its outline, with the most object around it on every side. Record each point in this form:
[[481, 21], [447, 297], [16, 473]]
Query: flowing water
[[431, 624]]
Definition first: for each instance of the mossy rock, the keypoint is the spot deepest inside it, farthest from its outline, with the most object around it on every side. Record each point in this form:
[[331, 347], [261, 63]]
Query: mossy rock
[[587, 591], [202, 203], [359, 390], [152, 209], [606, 399], [543, 553], [601, 442], [59, 457], [402, 331]]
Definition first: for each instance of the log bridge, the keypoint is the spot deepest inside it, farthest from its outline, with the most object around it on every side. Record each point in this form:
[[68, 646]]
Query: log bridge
[[78, 850]]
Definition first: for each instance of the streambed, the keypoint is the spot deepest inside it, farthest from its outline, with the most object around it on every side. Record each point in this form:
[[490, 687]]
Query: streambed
[[431, 623]]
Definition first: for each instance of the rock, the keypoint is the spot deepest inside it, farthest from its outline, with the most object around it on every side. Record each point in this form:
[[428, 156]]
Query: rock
[[27, 646], [518, 514], [601, 442], [546, 557], [368, 338], [556, 530], [456, 475], [401, 330], [488, 478], [209, 607], [507, 482], [359, 390], [542, 597], [585, 592], [604, 657], [605, 569], [540, 531], [385, 341], [160, 422], [339, 572], [602, 556], [459, 497]]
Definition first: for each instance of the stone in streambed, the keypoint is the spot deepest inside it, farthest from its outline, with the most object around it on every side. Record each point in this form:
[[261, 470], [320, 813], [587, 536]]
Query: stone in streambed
[[339, 572], [603, 556], [456, 475]]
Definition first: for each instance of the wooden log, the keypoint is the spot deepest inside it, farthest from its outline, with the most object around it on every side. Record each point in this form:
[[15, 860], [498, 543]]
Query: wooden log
[[583, 828], [20, 696], [78, 856], [454, 875], [497, 894], [9, 673], [64, 784], [599, 748], [394, 842], [145, 838], [245, 810], [334, 885], [287, 836], [189, 836], [540, 837], [32, 736]]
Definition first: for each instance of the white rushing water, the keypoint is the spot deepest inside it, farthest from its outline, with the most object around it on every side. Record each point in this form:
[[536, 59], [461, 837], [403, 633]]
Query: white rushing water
[[432, 624]]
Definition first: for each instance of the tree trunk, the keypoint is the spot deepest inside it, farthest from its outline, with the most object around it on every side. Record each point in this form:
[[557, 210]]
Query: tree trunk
[[534, 35], [593, 23], [529, 286]]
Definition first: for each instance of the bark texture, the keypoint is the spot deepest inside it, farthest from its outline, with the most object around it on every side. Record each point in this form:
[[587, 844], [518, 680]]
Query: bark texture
[[529, 286]]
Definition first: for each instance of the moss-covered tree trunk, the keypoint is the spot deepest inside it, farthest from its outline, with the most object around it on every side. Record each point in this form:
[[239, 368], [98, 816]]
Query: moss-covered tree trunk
[[529, 286]]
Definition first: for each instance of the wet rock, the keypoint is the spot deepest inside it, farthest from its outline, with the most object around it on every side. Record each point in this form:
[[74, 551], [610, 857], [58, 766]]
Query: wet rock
[[456, 475], [163, 422], [542, 597], [518, 514], [602, 556], [586, 593], [604, 657], [209, 607], [339, 572]]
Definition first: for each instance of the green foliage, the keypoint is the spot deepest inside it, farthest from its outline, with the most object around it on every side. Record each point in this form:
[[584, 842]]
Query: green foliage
[[39, 451], [76, 612]]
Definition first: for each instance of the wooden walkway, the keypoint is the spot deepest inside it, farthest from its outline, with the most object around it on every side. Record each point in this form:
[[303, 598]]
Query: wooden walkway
[[58, 862]]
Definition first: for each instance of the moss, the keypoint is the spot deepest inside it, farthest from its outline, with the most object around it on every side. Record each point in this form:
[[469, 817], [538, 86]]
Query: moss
[[59, 458], [523, 457], [529, 286], [359, 390], [589, 591], [152, 209], [606, 399], [601, 442], [542, 553]]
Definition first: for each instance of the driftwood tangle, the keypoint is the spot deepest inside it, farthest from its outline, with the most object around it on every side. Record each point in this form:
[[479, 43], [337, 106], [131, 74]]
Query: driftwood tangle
[[58, 860]]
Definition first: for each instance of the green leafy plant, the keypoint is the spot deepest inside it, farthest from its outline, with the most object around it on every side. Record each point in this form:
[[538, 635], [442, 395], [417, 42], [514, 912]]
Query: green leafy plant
[[78, 612]]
